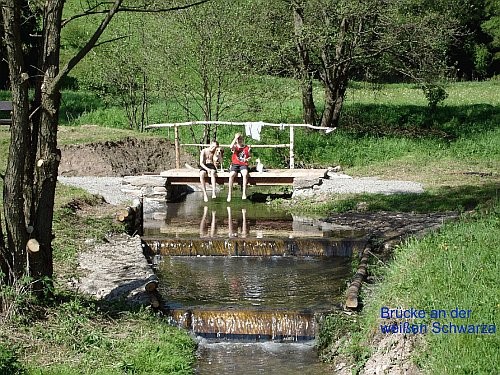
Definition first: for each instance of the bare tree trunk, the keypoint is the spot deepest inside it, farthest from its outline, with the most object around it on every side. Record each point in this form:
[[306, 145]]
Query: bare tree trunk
[[334, 99], [305, 75], [13, 257], [48, 155], [335, 77], [31, 174]]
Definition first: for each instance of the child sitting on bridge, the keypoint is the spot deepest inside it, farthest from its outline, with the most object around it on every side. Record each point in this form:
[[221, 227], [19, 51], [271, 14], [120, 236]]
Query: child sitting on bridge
[[239, 164]]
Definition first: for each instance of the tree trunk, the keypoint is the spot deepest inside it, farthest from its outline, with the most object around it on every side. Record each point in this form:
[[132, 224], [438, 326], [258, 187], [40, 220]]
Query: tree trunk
[[305, 75], [48, 156], [13, 257], [33, 160], [334, 74], [334, 100]]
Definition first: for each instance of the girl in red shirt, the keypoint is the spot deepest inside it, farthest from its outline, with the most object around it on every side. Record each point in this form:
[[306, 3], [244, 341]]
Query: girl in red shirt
[[239, 164]]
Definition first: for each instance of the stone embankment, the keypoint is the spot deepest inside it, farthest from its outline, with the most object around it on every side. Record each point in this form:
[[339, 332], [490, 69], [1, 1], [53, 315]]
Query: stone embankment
[[116, 269], [153, 186]]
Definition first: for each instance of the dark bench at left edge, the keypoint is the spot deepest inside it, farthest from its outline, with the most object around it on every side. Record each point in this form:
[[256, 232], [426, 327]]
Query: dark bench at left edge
[[5, 113]]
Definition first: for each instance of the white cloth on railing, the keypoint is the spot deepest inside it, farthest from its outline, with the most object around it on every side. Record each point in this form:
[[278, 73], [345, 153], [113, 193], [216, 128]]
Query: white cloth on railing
[[253, 130]]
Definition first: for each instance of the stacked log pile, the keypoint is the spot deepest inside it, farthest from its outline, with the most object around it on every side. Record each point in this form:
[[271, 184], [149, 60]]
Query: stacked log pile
[[132, 217]]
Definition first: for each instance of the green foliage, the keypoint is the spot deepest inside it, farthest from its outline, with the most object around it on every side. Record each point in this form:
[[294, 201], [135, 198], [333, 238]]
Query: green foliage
[[79, 104], [9, 363], [435, 94]]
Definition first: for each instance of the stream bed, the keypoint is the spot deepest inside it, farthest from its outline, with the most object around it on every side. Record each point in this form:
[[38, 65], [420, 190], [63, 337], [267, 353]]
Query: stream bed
[[251, 283]]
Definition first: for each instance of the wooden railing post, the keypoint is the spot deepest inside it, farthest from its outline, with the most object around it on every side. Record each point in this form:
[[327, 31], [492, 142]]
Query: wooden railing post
[[177, 148], [292, 155]]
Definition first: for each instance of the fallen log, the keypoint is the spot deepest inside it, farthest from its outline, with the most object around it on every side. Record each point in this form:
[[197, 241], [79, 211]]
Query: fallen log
[[353, 290]]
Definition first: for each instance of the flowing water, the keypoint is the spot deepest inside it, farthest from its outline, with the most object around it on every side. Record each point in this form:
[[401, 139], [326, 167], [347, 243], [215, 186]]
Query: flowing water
[[250, 282]]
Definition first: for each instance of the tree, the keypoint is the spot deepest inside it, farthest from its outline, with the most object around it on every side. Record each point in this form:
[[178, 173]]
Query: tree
[[335, 40], [201, 60], [31, 173], [491, 26]]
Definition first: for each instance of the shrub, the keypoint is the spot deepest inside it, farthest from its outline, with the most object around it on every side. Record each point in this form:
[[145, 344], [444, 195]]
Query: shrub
[[9, 364]]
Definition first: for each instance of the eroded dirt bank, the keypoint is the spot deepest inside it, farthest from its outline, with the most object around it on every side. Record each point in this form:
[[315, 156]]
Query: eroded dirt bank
[[129, 156]]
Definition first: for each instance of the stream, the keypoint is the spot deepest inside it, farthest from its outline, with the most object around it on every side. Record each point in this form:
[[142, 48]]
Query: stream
[[250, 282]]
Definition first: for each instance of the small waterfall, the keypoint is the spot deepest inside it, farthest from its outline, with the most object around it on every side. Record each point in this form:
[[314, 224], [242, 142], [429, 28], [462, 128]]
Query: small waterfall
[[245, 274], [247, 325], [322, 247]]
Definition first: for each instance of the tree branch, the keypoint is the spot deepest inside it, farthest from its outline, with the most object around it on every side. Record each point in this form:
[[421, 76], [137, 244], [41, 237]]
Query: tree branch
[[111, 40], [92, 10], [88, 46], [115, 8]]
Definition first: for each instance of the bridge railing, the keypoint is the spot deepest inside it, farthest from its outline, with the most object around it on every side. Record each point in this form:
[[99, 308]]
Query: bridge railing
[[289, 145]]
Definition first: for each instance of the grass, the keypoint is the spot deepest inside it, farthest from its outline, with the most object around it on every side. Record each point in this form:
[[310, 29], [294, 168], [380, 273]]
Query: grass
[[79, 336], [72, 334], [457, 267]]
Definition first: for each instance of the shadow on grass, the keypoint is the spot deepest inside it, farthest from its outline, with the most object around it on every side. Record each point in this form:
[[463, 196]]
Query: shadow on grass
[[447, 122], [76, 103], [463, 198]]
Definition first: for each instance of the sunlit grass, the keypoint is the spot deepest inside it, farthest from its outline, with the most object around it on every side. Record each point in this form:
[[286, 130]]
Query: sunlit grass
[[457, 267]]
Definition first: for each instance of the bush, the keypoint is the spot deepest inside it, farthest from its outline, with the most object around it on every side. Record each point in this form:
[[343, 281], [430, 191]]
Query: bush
[[9, 364]]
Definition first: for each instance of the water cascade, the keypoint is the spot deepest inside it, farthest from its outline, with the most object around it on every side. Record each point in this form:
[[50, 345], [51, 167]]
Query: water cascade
[[245, 274]]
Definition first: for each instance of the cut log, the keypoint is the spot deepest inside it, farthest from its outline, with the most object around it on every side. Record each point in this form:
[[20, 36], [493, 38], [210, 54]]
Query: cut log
[[151, 286], [125, 214], [33, 245], [353, 290], [155, 302]]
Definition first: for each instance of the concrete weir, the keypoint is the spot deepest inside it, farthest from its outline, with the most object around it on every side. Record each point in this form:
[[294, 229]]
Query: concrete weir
[[247, 273], [253, 247], [248, 325]]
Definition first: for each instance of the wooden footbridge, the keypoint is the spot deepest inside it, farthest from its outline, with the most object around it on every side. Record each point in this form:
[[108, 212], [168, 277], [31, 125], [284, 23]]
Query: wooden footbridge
[[188, 176], [267, 178]]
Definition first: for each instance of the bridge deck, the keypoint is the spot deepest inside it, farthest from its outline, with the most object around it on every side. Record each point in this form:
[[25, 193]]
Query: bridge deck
[[268, 177]]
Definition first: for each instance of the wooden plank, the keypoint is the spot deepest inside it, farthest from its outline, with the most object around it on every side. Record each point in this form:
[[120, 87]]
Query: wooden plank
[[5, 106], [270, 177], [5, 113], [284, 145]]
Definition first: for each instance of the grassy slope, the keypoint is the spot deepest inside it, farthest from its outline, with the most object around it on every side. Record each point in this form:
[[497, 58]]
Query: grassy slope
[[72, 334], [457, 267]]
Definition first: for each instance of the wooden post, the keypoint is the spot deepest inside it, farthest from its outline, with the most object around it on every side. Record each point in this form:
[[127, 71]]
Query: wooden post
[[177, 148], [292, 156]]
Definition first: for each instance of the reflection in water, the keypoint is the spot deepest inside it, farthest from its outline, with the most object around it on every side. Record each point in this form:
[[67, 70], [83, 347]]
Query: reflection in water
[[209, 229], [196, 219]]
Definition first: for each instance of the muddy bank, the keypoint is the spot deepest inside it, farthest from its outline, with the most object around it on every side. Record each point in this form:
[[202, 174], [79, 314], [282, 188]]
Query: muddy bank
[[129, 156]]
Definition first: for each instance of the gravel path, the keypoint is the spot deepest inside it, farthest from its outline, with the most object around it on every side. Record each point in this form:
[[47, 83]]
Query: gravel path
[[343, 184], [110, 187]]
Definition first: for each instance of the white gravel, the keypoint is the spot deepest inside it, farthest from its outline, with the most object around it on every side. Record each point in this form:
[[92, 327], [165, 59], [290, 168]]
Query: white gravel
[[108, 187], [347, 185]]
